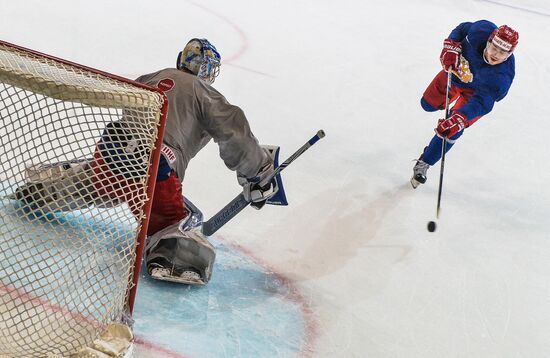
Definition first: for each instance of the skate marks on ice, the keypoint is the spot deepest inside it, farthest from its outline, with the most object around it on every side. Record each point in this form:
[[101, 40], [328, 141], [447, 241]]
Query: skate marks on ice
[[245, 311], [231, 59], [347, 225]]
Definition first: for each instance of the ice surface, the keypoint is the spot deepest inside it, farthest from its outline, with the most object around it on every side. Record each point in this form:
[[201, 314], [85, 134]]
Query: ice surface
[[353, 240], [245, 311]]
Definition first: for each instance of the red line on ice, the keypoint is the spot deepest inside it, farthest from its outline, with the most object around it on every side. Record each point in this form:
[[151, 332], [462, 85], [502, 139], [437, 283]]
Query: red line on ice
[[166, 353], [242, 35]]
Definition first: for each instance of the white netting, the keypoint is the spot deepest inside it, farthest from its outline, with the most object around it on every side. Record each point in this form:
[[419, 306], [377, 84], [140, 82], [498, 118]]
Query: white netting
[[68, 222]]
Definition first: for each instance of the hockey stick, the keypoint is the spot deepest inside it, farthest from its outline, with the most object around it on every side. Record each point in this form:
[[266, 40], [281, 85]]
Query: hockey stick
[[443, 145], [236, 205]]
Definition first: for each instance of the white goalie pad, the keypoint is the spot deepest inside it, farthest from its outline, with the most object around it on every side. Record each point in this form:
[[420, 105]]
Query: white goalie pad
[[115, 341], [63, 186], [180, 252], [37, 173]]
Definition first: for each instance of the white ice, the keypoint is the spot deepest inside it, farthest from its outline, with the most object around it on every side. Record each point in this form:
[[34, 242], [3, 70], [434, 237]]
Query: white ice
[[354, 237]]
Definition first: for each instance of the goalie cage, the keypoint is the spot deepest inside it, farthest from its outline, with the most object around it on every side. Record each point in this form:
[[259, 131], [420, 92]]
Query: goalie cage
[[67, 277]]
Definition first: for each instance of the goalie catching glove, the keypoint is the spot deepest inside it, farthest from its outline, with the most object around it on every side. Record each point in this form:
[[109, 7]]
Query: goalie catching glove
[[256, 190]]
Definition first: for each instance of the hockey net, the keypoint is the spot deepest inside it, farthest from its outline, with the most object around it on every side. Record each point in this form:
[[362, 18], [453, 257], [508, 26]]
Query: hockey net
[[69, 265]]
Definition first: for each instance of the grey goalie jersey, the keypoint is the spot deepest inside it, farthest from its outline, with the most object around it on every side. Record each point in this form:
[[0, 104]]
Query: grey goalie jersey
[[197, 113]]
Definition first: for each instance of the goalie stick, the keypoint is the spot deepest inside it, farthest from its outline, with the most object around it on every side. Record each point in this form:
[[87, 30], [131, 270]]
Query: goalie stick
[[236, 205]]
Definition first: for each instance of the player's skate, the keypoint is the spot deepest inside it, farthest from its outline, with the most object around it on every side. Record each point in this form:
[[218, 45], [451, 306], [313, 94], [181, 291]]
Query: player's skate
[[419, 173]]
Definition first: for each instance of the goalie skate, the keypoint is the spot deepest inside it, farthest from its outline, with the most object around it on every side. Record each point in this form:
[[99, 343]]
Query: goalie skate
[[187, 276]]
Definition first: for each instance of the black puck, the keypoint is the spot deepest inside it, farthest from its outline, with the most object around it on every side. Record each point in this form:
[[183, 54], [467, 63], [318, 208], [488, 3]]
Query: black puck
[[431, 226]]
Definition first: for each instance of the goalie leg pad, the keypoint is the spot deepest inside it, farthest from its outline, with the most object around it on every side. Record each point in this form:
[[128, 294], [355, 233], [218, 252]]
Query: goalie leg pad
[[180, 252], [63, 186]]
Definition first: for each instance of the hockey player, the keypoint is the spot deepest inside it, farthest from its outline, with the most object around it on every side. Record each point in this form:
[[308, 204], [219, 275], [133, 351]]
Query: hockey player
[[176, 250], [197, 113], [481, 59]]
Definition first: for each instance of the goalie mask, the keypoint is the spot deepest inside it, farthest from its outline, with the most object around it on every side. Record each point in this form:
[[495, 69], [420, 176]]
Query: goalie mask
[[201, 58]]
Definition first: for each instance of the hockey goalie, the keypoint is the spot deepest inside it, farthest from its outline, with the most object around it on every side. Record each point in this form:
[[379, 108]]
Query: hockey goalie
[[175, 250]]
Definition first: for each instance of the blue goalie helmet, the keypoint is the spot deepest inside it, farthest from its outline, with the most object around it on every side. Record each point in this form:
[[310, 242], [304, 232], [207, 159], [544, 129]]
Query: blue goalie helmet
[[201, 58]]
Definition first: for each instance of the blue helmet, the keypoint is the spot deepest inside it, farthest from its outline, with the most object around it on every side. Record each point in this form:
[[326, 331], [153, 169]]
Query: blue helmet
[[201, 58]]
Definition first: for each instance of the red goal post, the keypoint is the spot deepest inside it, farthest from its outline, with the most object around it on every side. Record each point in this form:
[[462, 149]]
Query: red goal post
[[63, 269]]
